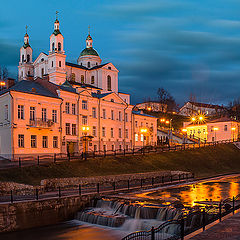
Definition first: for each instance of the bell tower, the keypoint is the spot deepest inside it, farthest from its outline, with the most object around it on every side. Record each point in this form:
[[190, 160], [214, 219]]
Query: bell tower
[[25, 67], [56, 57]]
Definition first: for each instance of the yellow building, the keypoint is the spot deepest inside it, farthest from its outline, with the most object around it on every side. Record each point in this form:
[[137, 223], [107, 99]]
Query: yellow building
[[197, 131]]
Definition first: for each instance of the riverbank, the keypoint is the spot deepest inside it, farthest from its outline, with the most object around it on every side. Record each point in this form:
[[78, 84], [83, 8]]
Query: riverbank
[[204, 162]]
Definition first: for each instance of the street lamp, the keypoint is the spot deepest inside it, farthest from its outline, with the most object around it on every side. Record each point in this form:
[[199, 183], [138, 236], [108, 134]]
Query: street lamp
[[215, 129], [2, 85], [85, 130], [143, 131], [184, 130], [233, 130]]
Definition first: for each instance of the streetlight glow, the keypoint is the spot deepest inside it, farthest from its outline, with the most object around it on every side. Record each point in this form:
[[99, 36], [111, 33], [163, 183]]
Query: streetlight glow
[[184, 130], [193, 119], [2, 83], [167, 122], [215, 129], [143, 130]]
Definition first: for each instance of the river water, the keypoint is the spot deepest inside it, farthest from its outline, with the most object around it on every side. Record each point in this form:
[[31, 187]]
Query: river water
[[190, 195]]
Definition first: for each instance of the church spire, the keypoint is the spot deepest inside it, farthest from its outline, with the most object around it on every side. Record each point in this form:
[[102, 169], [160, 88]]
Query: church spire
[[89, 39], [56, 25], [26, 39]]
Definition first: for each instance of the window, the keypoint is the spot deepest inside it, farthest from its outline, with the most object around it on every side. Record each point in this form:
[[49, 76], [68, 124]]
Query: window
[[60, 64], [53, 47], [6, 112], [74, 109], [104, 113], [82, 79], [104, 148], [45, 142], [112, 114], [136, 124], [52, 63], [112, 100], [119, 116], [94, 131], [120, 133], [20, 140], [92, 80], [67, 128], [73, 77], [109, 68], [84, 104], [54, 116], [74, 129], [88, 64], [95, 148], [103, 132], [55, 142], [120, 147], [67, 107], [112, 147], [84, 120], [111, 132], [28, 58], [22, 58], [109, 83], [20, 112], [94, 112], [126, 133], [42, 72], [32, 113], [136, 137], [33, 141], [44, 114], [225, 128], [142, 137], [59, 46], [126, 117]]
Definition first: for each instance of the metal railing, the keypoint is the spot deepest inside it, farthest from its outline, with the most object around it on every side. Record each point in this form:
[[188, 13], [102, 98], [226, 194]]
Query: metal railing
[[39, 122], [93, 188], [185, 225]]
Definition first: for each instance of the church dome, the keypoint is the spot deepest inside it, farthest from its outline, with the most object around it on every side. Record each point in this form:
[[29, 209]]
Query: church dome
[[89, 51]]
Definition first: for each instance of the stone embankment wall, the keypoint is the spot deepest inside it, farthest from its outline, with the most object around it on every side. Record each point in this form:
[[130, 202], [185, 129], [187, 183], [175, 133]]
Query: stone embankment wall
[[54, 183], [23, 215]]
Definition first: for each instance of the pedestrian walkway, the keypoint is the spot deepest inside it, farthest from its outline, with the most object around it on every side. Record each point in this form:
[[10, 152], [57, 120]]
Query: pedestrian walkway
[[229, 229]]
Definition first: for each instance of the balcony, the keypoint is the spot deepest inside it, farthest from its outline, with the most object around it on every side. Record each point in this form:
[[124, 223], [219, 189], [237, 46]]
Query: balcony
[[40, 123]]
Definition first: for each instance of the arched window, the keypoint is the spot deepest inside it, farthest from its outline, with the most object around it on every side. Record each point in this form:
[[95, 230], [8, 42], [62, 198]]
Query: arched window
[[60, 64], [28, 58], [109, 83], [73, 77], [59, 46], [42, 72], [92, 80], [53, 47], [88, 64], [82, 79], [22, 58]]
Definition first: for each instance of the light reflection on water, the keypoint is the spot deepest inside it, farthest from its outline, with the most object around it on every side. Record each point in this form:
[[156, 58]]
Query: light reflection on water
[[210, 190], [214, 190]]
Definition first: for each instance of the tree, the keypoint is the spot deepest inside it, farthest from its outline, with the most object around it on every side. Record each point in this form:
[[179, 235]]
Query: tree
[[3, 73], [165, 98]]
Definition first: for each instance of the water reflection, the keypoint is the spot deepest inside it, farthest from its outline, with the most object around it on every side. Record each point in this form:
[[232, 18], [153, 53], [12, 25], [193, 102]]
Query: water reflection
[[191, 195]]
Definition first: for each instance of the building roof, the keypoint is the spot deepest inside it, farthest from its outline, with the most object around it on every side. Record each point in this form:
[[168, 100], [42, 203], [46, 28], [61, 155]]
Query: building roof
[[32, 88], [142, 114], [83, 85], [89, 51], [205, 105], [76, 65], [222, 119], [66, 86], [100, 95]]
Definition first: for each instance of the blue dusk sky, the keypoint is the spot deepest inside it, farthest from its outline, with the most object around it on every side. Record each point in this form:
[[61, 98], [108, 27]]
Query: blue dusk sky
[[181, 45]]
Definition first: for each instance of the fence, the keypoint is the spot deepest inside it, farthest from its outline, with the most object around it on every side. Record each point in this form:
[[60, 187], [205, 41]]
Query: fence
[[93, 188], [26, 160], [188, 224]]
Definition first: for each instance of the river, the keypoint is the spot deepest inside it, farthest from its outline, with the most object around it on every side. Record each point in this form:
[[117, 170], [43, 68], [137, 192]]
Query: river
[[189, 194]]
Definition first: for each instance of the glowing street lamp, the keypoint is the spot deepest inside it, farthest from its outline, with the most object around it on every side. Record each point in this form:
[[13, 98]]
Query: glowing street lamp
[[215, 129], [193, 119], [233, 130], [85, 130], [184, 130], [2, 85], [149, 108], [167, 122]]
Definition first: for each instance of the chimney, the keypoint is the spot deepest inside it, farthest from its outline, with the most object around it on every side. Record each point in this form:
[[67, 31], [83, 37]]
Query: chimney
[[10, 82]]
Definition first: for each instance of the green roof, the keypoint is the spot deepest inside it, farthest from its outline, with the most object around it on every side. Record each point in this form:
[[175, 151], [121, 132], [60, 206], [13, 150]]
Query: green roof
[[89, 51], [56, 32]]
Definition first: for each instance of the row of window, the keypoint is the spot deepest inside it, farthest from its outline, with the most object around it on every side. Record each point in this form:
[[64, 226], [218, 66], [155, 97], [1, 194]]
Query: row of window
[[34, 143], [32, 111], [141, 125], [68, 129], [112, 148]]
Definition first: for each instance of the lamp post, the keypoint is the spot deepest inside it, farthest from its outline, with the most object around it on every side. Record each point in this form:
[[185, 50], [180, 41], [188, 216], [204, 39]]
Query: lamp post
[[184, 130], [2, 85], [215, 129], [142, 131], [233, 132], [85, 130]]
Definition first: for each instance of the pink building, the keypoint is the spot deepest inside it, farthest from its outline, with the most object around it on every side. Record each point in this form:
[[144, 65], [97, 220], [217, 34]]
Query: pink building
[[46, 110]]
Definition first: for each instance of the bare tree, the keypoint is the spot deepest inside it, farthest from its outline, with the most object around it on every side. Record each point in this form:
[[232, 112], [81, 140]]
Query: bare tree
[[3, 73], [165, 98]]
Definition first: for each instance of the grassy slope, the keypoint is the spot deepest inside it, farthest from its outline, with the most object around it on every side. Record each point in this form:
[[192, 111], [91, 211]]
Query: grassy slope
[[203, 162]]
